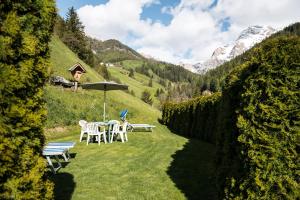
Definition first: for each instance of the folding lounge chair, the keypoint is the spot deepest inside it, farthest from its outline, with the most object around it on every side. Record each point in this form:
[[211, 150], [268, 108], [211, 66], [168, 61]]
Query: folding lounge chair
[[54, 152], [141, 126], [55, 149], [61, 145]]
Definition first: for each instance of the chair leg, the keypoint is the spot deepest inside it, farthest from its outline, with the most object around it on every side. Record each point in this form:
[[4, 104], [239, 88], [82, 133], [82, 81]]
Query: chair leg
[[104, 137], [122, 137], [65, 157], [51, 165], [111, 137], [80, 139], [87, 140], [125, 134], [99, 138]]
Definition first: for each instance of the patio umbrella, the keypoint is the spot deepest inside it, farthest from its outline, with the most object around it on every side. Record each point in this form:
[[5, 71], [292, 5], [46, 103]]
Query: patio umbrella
[[105, 86]]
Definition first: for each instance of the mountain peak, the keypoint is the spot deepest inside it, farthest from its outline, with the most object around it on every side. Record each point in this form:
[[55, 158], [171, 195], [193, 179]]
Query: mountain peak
[[256, 30], [247, 39]]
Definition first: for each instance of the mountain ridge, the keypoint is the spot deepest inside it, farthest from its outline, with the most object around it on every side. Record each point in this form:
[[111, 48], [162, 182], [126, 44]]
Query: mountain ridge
[[113, 50], [247, 39]]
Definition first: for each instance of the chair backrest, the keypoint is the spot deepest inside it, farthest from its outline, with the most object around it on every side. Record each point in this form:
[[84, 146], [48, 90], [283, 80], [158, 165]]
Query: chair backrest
[[114, 125], [82, 123], [91, 127]]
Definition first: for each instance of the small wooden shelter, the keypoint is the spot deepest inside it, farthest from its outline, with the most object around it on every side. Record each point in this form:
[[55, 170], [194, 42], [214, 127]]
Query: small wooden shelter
[[77, 70]]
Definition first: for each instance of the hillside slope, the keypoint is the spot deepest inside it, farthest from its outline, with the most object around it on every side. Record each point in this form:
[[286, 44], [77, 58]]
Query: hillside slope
[[66, 107], [112, 50], [156, 165]]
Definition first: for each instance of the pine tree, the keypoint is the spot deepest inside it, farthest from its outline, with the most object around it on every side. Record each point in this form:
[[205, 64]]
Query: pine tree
[[102, 70], [146, 97], [74, 37], [26, 28], [131, 73], [150, 84]]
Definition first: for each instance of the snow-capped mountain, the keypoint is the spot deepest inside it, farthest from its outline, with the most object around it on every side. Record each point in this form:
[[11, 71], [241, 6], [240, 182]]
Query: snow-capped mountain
[[248, 38]]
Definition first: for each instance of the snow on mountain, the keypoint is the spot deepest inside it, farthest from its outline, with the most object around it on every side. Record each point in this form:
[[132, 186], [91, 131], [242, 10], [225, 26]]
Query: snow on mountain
[[248, 38]]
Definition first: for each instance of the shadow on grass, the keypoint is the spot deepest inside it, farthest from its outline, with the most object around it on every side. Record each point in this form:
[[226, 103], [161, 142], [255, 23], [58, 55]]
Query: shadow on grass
[[192, 170], [73, 155], [64, 185]]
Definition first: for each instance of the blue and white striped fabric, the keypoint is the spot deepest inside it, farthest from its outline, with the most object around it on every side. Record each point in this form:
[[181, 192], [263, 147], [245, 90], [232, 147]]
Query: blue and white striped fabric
[[123, 114]]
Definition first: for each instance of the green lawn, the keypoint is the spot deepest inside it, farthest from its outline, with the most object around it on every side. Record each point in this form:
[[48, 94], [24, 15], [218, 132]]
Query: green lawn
[[151, 165], [157, 165]]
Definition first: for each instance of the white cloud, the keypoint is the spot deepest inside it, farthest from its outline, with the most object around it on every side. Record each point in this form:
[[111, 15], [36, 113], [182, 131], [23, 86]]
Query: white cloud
[[194, 31]]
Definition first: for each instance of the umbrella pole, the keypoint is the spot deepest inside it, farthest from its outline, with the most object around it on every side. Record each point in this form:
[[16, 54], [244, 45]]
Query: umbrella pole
[[104, 105]]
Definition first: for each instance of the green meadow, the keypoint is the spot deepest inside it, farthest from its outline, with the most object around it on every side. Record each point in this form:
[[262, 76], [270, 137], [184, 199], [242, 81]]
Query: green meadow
[[151, 165]]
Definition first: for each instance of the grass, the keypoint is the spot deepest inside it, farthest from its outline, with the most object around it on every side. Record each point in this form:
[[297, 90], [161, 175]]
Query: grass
[[137, 84], [157, 165], [151, 165]]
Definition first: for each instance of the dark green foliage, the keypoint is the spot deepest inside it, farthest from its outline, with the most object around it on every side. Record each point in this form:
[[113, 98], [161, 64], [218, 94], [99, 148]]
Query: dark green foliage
[[157, 93], [25, 30], [146, 97], [255, 123], [132, 93], [150, 84], [268, 122], [71, 32], [194, 118], [131, 73], [102, 70], [214, 85]]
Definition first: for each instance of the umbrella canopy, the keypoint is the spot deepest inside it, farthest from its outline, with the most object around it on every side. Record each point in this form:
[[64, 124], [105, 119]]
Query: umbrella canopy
[[105, 86]]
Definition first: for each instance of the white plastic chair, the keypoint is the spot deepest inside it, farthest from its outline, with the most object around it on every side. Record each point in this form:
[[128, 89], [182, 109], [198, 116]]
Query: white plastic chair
[[121, 132], [93, 130], [113, 128], [82, 124]]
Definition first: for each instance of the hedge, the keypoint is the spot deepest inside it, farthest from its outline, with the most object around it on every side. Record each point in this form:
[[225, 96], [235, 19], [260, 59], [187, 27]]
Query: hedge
[[254, 123], [195, 118], [25, 30]]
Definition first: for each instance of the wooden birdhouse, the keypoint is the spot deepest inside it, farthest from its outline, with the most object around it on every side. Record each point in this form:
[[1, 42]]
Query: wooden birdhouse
[[77, 70]]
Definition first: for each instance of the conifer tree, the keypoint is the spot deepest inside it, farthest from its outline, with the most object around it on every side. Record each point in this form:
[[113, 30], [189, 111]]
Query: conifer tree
[[150, 84], [74, 37], [25, 30], [146, 97]]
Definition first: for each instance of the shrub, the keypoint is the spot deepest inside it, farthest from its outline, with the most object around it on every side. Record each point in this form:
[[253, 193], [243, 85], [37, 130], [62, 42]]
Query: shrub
[[268, 119], [254, 123], [25, 32], [146, 97], [131, 73]]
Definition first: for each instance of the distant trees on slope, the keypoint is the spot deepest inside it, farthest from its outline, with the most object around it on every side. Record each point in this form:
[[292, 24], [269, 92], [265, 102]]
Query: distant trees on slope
[[71, 32]]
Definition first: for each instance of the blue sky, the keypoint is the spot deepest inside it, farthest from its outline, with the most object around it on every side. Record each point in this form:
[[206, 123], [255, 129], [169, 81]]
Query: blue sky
[[63, 5], [153, 11], [178, 30]]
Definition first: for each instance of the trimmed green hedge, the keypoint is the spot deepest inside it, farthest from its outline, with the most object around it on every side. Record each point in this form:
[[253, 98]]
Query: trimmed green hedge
[[195, 118], [255, 124], [25, 30]]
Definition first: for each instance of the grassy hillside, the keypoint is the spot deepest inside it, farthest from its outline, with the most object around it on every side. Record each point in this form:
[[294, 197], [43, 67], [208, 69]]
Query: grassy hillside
[[66, 107], [156, 165]]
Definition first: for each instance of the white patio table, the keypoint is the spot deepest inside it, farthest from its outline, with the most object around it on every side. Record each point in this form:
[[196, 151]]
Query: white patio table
[[107, 126]]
